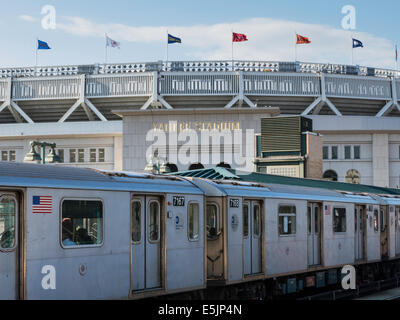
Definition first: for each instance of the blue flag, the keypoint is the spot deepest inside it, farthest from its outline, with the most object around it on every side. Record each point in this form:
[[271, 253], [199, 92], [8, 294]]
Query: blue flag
[[172, 39], [357, 44], [43, 45]]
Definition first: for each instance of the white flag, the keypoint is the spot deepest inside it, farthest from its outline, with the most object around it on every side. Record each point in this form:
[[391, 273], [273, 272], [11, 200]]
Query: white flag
[[112, 43]]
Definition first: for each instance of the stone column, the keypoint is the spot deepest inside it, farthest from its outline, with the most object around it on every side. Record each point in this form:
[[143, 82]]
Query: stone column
[[380, 159], [118, 153]]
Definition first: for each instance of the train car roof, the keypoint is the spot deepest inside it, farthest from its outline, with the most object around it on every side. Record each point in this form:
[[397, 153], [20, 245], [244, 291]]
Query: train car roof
[[219, 173], [256, 190], [14, 174]]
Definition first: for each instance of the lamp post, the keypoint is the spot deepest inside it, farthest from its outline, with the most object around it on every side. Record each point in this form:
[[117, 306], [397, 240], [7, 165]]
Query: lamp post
[[33, 156], [157, 166]]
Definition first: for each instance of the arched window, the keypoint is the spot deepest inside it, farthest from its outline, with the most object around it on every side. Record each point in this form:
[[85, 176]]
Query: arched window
[[352, 176], [224, 165], [330, 175], [196, 166]]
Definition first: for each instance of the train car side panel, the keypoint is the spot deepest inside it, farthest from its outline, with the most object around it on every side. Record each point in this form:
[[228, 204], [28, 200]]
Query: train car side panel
[[185, 242], [84, 271], [235, 238], [286, 235], [373, 235], [339, 233]]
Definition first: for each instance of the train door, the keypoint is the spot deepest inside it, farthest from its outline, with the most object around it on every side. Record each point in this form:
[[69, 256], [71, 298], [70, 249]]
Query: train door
[[146, 239], [215, 238], [314, 234], [397, 231], [252, 227], [359, 232], [8, 246], [384, 212]]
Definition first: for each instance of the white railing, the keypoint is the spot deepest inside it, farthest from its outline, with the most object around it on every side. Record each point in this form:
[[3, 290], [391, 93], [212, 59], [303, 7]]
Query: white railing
[[196, 66], [3, 89], [46, 88], [358, 87], [281, 84], [119, 85], [181, 83], [185, 83]]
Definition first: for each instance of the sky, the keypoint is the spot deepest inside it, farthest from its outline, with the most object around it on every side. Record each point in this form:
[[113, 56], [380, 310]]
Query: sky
[[205, 28]]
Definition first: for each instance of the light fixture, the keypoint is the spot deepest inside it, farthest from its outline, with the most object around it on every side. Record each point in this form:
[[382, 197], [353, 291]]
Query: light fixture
[[151, 167], [32, 156], [165, 168], [52, 157]]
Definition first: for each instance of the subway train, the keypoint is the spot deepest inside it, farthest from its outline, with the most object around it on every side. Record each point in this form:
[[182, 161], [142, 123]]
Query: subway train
[[72, 233]]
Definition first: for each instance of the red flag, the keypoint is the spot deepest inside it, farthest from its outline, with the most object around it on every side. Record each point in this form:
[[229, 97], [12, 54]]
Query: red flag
[[238, 37], [302, 40]]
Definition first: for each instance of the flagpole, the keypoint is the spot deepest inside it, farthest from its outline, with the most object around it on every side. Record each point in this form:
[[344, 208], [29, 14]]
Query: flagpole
[[352, 50], [36, 55], [295, 47], [232, 50], [105, 50], [166, 65]]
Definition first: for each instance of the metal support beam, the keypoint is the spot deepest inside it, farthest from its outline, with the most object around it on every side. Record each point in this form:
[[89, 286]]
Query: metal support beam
[[232, 102], [72, 109], [85, 103], [312, 106], [164, 103], [333, 108], [89, 113], [3, 106], [21, 112], [321, 101], [15, 114], [95, 110], [147, 104], [388, 107], [241, 89], [249, 102], [156, 99]]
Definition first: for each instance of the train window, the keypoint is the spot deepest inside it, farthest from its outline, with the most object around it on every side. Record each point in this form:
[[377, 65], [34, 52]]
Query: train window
[[82, 223], [309, 220], [193, 221], [136, 221], [8, 214], [287, 220], [257, 221], [339, 220], [376, 220], [212, 220], [154, 226], [383, 221], [317, 222], [245, 220]]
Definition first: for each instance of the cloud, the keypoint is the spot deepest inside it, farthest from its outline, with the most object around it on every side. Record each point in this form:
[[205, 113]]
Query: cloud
[[27, 18], [269, 39]]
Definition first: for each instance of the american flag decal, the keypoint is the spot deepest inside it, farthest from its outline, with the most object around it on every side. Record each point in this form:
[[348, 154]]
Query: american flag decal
[[327, 210], [42, 204]]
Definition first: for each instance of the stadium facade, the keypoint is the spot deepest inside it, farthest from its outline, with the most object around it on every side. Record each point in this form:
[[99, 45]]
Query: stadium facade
[[99, 115]]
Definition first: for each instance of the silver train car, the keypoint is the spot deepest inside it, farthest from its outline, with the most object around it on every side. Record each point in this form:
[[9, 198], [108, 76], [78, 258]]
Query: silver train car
[[69, 233]]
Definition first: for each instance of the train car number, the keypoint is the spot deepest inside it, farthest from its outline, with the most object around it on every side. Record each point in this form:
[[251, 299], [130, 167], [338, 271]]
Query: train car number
[[179, 201]]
